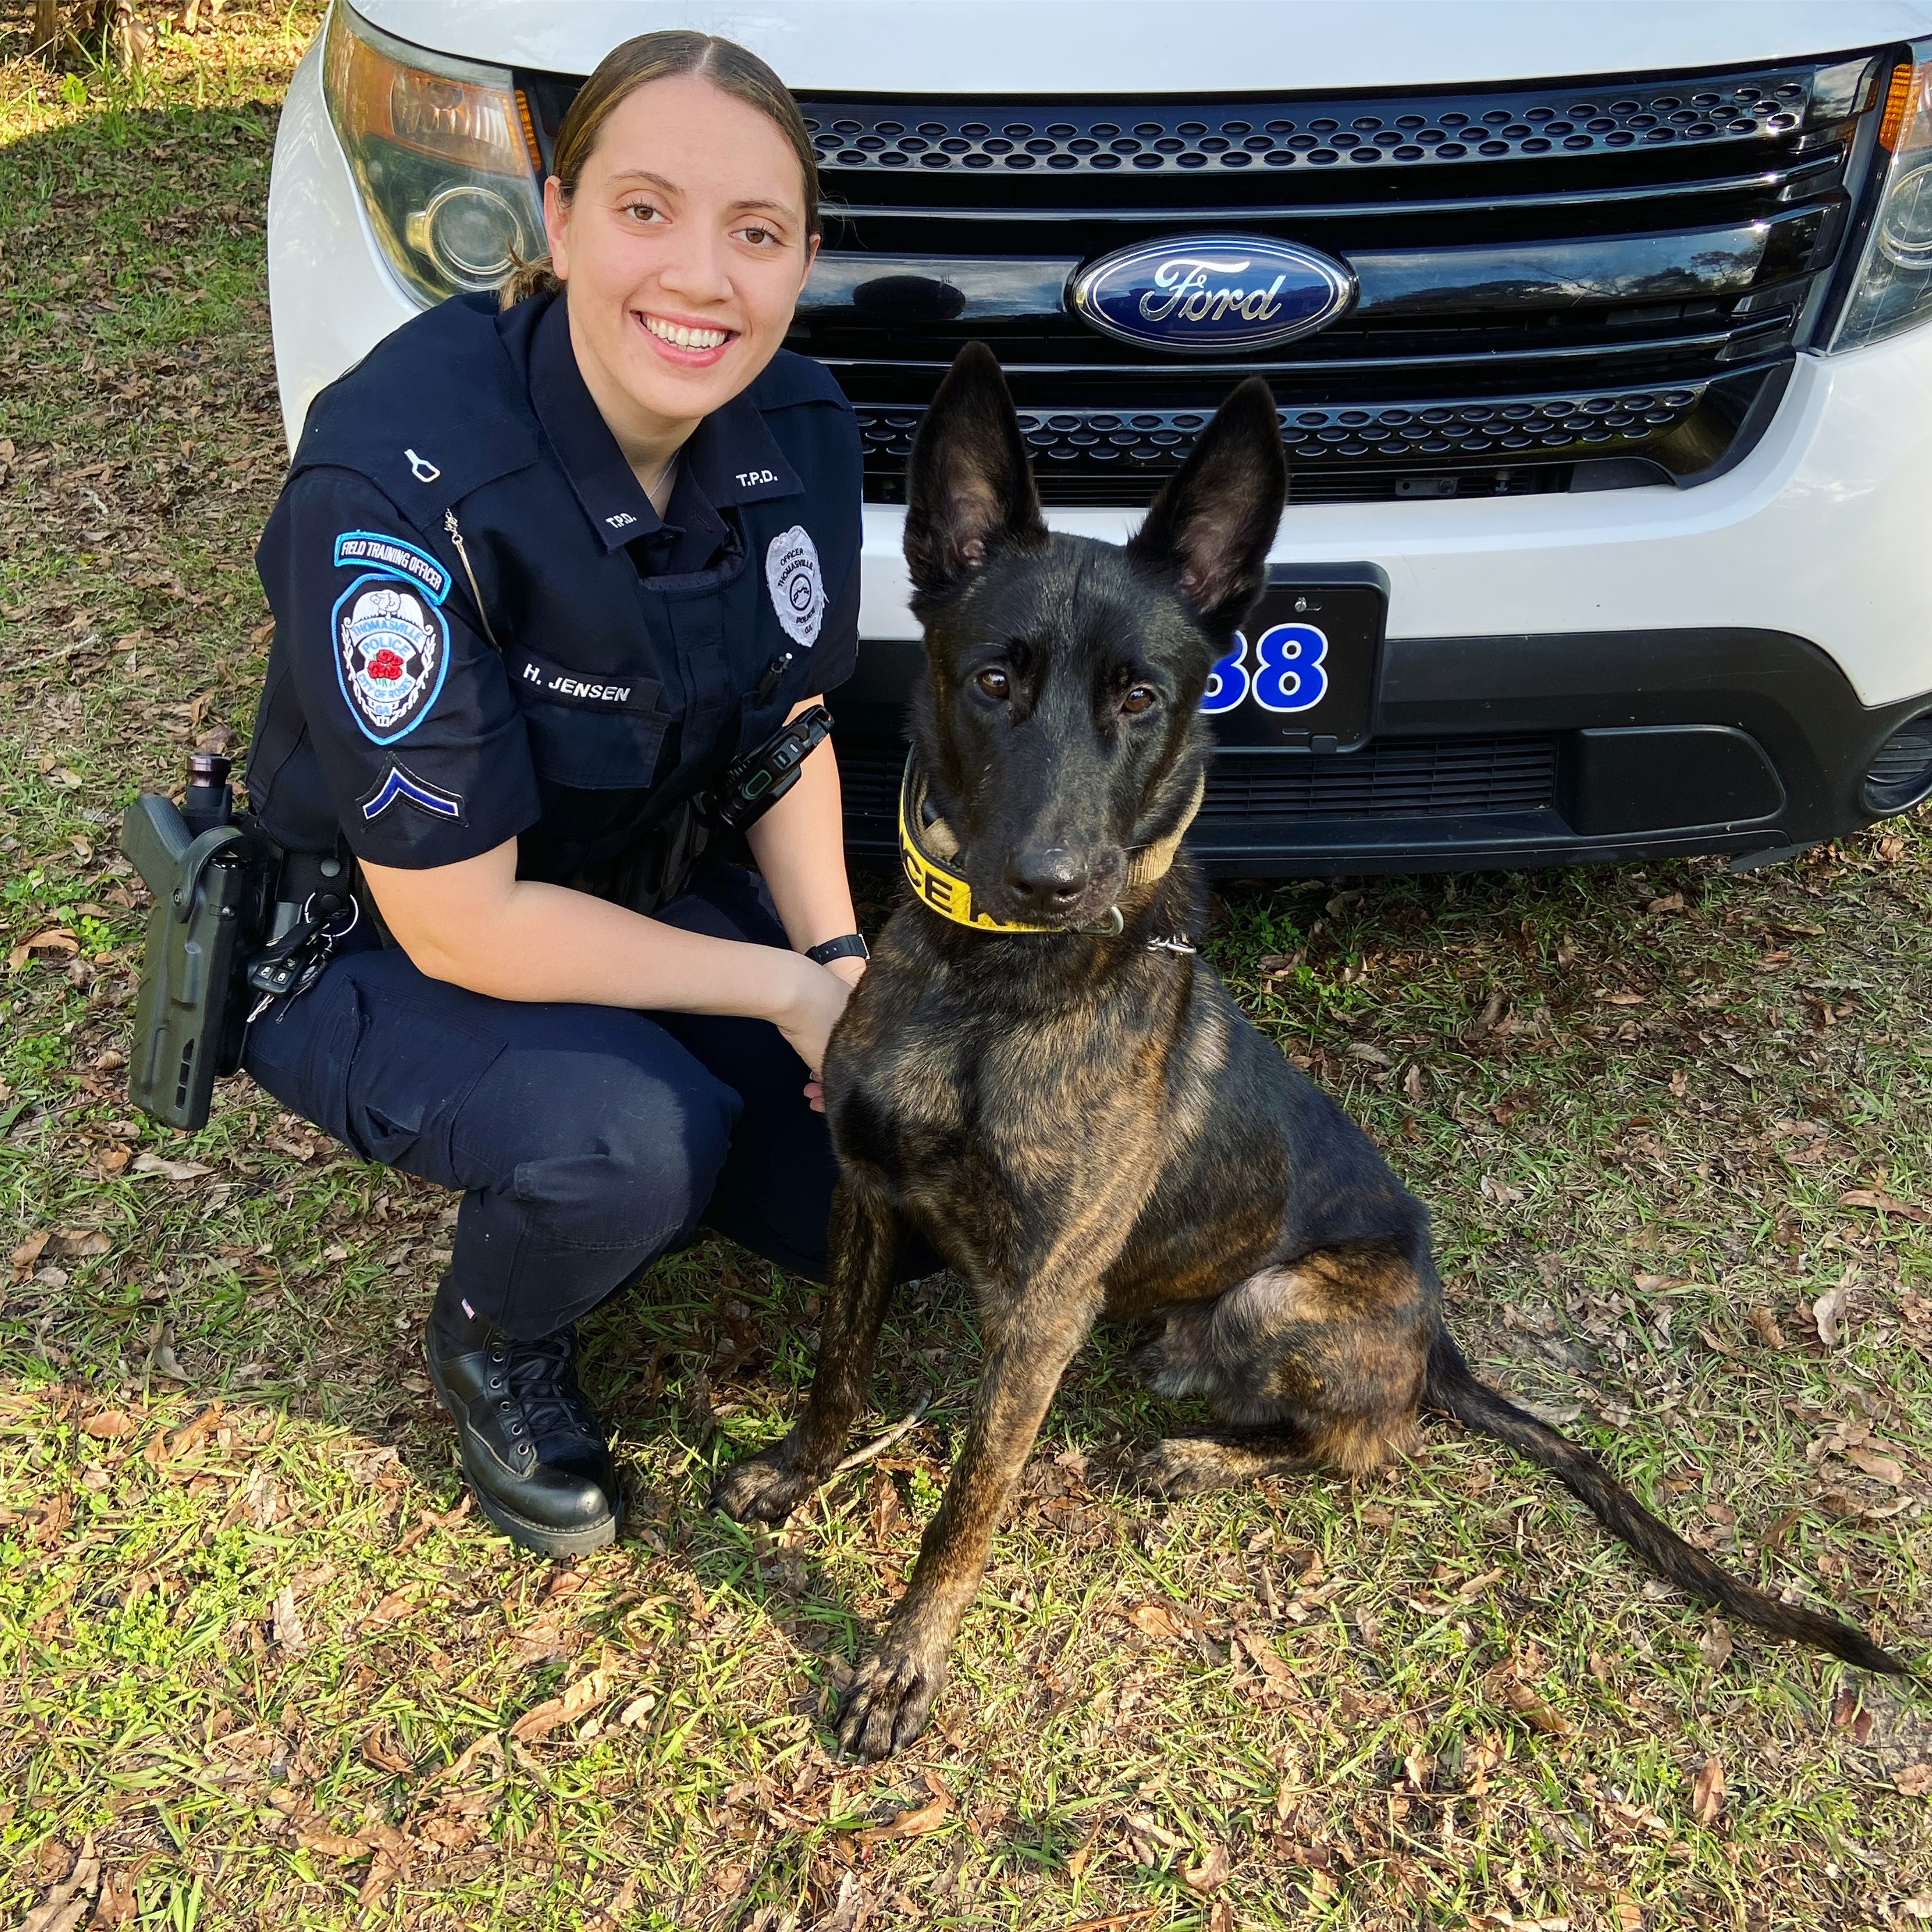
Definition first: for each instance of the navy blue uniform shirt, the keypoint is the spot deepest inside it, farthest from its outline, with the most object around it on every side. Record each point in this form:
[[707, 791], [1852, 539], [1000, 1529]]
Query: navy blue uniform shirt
[[484, 630]]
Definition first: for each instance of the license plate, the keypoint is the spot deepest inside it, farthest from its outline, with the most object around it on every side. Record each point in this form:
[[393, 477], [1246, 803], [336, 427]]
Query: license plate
[[1302, 672]]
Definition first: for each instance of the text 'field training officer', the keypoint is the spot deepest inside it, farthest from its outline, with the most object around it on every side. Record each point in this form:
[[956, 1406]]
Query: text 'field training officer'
[[541, 572]]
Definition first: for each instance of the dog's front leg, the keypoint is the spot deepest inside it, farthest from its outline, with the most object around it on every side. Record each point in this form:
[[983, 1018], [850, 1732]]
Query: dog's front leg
[[1032, 1339], [868, 1240]]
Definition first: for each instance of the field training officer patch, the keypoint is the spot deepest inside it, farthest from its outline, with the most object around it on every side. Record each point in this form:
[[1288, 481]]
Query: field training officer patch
[[797, 584], [391, 642]]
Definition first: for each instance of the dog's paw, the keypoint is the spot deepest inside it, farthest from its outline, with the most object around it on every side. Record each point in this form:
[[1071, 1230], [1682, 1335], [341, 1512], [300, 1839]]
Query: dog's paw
[[1184, 1465], [887, 1703], [761, 1489]]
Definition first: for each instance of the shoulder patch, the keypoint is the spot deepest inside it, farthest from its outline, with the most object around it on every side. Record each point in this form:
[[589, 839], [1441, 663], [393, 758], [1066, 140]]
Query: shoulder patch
[[372, 550], [399, 782], [392, 654], [797, 583]]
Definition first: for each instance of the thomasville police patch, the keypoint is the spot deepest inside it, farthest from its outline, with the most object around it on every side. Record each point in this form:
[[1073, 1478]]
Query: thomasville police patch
[[797, 584], [391, 652]]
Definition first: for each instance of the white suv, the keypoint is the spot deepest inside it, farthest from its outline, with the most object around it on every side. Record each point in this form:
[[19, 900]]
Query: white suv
[[1597, 332]]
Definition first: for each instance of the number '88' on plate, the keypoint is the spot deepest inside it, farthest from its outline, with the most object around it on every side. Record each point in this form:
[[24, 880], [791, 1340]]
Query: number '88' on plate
[[1286, 673]]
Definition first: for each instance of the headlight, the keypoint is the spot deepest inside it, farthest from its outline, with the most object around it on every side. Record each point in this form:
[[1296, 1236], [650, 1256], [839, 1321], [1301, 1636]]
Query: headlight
[[1893, 289], [443, 153]]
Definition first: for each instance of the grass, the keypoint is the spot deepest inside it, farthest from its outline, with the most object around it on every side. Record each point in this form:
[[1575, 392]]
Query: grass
[[259, 1664]]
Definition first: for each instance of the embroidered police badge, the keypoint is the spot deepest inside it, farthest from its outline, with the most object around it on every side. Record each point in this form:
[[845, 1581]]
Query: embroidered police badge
[[391, 652], [797, 584]]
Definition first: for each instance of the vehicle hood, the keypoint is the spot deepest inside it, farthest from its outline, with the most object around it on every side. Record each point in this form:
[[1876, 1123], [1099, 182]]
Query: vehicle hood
[[1014, 48]]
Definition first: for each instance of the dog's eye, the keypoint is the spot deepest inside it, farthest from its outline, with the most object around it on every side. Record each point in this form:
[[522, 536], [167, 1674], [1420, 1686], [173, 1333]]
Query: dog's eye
[[1141, 697], [994, 683]]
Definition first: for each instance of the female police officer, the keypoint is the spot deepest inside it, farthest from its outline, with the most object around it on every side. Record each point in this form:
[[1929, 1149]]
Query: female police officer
[[539, 574]]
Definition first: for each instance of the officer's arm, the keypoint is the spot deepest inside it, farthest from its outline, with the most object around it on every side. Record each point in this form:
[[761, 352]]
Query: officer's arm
[[475, 924], [799, 845]]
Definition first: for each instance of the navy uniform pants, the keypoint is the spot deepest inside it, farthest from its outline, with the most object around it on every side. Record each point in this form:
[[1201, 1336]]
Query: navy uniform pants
[[586, 1140]]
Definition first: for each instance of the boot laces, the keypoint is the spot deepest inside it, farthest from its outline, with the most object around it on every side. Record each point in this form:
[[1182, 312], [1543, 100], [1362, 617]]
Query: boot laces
[[543, 1377]]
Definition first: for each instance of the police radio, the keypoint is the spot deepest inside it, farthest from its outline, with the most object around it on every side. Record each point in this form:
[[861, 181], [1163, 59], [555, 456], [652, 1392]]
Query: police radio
[[757, 781]]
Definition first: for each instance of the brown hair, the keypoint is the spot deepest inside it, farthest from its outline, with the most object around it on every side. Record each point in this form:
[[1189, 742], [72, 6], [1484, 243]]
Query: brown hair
[[731, 69]]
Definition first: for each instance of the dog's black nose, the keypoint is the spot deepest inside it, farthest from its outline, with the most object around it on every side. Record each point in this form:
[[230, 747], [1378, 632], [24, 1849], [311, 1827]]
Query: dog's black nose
[[1049, 880]]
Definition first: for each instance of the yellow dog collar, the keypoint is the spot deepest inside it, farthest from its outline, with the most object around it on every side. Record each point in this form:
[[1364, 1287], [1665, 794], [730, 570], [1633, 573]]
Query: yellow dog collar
[[925, 848]]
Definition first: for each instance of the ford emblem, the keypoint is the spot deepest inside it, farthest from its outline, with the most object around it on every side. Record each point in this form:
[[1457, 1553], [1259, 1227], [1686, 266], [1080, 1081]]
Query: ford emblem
[[1204, 292]]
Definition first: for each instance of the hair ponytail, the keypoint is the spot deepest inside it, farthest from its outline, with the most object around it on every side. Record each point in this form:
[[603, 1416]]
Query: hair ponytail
[[731, 69]]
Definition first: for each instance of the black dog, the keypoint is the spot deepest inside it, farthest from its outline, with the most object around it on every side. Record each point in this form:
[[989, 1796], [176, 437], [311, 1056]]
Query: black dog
[[1074, 1113]]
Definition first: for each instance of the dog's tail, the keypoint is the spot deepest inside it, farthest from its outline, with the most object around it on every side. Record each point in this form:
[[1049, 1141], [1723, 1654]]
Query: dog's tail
[[1452, 1387]]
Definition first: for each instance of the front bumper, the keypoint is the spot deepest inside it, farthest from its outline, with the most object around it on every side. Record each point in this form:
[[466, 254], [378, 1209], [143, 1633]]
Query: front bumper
[[1508, 752]]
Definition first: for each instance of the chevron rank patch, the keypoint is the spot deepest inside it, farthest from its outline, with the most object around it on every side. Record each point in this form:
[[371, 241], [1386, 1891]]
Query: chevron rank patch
[[401, 784]]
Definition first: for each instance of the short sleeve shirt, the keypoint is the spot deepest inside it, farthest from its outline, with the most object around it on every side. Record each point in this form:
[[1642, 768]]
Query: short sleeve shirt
[[484, 630]]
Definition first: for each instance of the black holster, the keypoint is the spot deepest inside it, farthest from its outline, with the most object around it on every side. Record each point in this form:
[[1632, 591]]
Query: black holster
[[213, 896]]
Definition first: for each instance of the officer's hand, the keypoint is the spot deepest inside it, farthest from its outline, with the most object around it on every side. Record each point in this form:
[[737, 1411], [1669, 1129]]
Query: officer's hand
[[816, 997]]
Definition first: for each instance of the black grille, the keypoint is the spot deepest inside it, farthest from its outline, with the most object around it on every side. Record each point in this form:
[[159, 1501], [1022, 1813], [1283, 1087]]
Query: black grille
[[1387, 779], [1387, 450], [1661, 238], [1155, 138]]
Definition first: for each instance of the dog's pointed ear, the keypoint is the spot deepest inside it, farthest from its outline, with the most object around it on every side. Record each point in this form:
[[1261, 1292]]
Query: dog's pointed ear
[[1210, 526], [968, 488]]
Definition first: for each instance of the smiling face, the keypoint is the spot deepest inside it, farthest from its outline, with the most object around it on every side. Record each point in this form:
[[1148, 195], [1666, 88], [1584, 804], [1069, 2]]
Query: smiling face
[[684, 250]]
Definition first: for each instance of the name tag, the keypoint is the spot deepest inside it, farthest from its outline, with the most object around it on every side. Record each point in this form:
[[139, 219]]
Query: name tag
[[539, 678]]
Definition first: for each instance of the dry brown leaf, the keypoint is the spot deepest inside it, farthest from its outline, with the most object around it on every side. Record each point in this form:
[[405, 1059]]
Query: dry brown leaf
[[1621, 999], [1211, 1873], [916, 1822], [1707, 1791], [116, 1905], [50, 939], [542, 1719], [1914, 1779], [286, 1622], [848, 1907], [1886, 1468], [313, 1838], [187, 1440], [108, 1425], [1765, 1323], [1629, 1914], [1825, 1311], [391, 1607], [1155, 1618], [64, 1906], [380, 1748], [29, 1252], [1509, 1690], [1715, 1646], [1881, 1203], [80, 1243], [148, 1162]]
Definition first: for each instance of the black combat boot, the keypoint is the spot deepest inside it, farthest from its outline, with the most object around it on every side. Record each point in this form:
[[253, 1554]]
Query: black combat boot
[[534, 1451]]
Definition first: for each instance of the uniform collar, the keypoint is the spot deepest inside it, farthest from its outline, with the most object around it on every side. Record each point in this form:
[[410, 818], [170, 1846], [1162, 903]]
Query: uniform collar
[[732, 457]]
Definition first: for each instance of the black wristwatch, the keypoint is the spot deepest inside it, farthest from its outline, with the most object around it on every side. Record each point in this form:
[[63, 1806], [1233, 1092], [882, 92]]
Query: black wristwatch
[[847, 946]]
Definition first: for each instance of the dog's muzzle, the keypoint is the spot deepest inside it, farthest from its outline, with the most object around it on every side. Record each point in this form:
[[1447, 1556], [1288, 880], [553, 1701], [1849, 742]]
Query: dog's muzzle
[[927, 844]]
